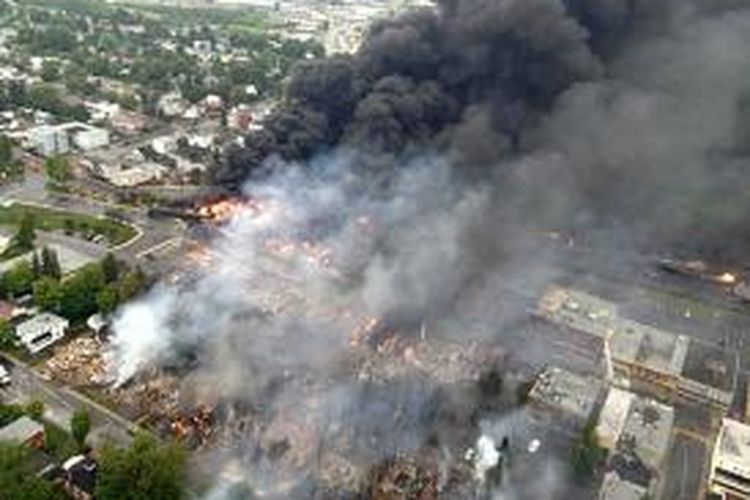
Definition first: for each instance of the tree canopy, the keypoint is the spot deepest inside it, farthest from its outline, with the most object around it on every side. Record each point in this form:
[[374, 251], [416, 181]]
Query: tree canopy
[[80, 425], [145, 471], [17, 483]]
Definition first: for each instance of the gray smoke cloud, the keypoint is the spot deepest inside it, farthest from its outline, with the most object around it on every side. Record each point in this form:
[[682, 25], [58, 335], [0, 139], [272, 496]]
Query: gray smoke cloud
[[278, 320], [421, 172]]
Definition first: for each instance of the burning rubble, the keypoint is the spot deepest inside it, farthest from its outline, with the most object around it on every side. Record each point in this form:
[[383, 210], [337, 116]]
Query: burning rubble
[[290, 359]]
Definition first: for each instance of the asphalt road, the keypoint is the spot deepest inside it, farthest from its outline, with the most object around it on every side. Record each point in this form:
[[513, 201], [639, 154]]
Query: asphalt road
[[60, 403], [153, 234], [685, 470]]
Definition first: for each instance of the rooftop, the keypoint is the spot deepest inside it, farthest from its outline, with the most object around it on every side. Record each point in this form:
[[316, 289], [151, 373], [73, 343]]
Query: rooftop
[[81, 471], [656, 349], [613, 415], [647, 431], [570, 392], [40, 323], [578, 310], [732, 452], [630, 341], [615, 488], [710, 365], [21, 430]]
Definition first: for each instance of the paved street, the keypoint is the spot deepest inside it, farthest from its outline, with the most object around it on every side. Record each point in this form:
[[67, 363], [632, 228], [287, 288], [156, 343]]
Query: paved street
[[685, 471], [61, 402], [153, 234]]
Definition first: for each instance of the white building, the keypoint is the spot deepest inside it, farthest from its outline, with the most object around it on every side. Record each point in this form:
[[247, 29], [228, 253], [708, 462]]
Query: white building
[[172, 104], [164, 144], [41, 331], [730, 463], [48, 140], [102, 111], [85, 137], [4, 242], [612, 417]]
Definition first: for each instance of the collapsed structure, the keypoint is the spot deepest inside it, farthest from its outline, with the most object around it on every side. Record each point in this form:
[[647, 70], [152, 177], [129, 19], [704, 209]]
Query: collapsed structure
[[662, 363]]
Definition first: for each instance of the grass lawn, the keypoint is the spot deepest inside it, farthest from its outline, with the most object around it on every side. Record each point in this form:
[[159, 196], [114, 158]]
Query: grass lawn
[[81, 225]]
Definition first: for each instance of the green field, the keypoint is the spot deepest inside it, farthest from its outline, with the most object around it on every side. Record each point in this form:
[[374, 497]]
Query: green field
[[81, 225]]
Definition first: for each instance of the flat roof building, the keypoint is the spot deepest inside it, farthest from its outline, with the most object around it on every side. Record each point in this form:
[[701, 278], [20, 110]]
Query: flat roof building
[[730, 463], [637, 433], [612, 417], [568, 398], [663, 363], [647, 431], [615, 488]]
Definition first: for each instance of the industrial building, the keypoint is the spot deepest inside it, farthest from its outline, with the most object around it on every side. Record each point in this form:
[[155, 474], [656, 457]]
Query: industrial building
[[730, 463], [661, 363]]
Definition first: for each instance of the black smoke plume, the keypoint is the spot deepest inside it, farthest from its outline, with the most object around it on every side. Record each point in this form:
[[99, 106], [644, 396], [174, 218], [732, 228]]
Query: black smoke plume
[[492, 84]]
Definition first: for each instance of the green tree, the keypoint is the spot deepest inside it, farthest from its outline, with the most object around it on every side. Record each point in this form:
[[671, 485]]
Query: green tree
[[36, 266], [6, 150], [132, 284], [50, 264], [110, 268], [144, 470], [17, 482], [13, 170], [79, 293], [23, 240], [7, 336], [586, 454], [107, 299], [58, 169], [18, 280], [47, 294], [80, 425], [35, 409], [50, 71]]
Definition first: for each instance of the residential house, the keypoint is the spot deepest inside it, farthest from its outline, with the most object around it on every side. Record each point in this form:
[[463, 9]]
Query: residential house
[[24, 431], [41, 331]]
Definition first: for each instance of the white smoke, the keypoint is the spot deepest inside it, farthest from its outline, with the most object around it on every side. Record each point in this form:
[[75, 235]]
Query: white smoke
[[142, 332]]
